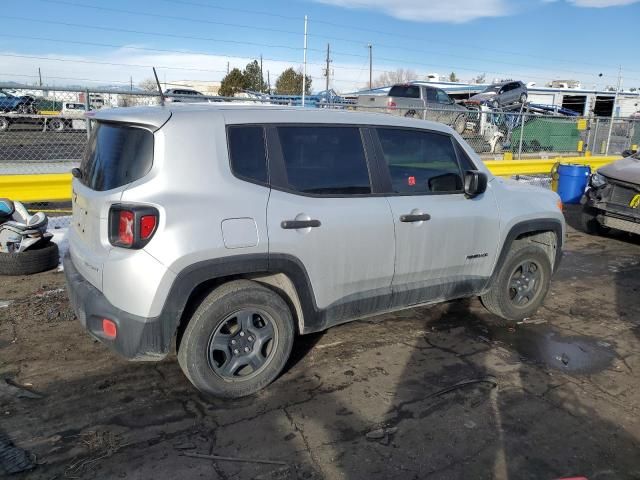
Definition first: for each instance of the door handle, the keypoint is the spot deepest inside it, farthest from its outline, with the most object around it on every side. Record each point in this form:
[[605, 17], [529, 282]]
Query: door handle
[[411, 217], [295, 224]]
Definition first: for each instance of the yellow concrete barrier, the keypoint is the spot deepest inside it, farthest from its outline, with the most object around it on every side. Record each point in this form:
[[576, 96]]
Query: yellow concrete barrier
[[50, 187], [504, 168], [56, 187]]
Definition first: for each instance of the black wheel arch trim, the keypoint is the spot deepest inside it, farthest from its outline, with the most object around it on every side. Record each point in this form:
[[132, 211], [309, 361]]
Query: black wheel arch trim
[[191, 277], [530, 226]]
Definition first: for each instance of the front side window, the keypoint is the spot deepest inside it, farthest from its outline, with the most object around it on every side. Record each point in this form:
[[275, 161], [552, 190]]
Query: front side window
[[420, 162], [443, 97], [324, 160], [247, 153]]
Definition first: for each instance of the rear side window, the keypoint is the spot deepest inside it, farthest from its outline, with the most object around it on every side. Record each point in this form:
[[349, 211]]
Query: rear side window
[[420, 162], [325, 160], [116, 155], [405, 91], [247, 153]]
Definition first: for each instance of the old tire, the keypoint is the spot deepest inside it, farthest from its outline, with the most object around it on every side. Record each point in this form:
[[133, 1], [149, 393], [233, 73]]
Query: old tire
[[502, 298], [38, 259], [589, 222], [460, 124], [56, 125], [206, 354]]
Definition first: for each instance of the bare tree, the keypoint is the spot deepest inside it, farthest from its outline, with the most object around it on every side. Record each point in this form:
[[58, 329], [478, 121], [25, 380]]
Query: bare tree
[[399, 76], [480, 78], [148, 84]]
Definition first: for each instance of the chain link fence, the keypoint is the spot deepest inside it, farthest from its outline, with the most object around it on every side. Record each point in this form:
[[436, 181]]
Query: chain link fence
[[44, 129]]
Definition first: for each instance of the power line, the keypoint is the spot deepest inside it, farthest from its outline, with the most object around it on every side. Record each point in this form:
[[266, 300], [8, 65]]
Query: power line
[[254, 27], [352, 27], [168, 17], [108, 63]]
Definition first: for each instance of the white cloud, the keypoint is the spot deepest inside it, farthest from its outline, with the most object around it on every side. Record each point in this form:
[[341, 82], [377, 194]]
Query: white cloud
[[451, 11], [601, 3], [117, 67]]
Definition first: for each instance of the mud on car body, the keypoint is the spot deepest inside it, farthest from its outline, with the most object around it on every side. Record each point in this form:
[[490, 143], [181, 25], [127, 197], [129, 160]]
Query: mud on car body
[[228, 230], [612, 199]]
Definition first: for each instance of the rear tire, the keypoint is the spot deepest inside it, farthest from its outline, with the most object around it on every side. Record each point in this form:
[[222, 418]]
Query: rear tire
[[4, 124], [517, 292], [206, 354], [523, 98], [38, 259]]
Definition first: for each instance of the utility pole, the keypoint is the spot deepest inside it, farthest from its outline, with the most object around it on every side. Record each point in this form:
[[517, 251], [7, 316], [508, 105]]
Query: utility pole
[[131, 83], [326, 72], [261, 76], [227, 68], [370, 66], [613, 111], [40, 76], [304, 72], [268, 82]]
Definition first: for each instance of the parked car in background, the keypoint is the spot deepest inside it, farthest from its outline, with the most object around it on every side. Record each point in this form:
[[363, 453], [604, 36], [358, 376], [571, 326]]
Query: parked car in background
[[503, 93], [14, 103], [184, 95], [418, 101], [612, 199], [278, 222]]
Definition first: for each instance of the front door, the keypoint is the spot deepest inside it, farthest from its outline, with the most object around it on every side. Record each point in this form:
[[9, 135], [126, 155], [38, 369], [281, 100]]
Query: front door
[[322, 212], [446, 244]]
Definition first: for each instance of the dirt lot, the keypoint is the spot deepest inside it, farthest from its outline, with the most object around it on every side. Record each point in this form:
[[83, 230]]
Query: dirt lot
[[441, 392]]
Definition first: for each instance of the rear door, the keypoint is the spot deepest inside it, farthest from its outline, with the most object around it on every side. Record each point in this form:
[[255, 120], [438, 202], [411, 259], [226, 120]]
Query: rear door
[[117, 154], [445, 243], [324, 212]]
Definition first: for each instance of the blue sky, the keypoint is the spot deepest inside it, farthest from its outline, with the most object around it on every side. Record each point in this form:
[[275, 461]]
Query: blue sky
[[108, 42]]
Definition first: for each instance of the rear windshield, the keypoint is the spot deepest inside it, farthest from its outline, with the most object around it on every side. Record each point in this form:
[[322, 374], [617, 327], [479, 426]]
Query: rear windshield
[[405, 91], [116, 155]]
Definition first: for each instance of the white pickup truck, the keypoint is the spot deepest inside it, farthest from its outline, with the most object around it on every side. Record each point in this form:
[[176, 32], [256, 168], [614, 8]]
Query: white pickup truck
[[419, 101], [70, 117]]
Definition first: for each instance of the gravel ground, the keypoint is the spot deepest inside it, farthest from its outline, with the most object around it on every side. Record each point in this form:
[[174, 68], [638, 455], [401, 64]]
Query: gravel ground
[[446, 392]]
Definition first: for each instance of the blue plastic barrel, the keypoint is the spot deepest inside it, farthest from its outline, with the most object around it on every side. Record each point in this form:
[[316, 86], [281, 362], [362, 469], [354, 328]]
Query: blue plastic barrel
[[572, 181]]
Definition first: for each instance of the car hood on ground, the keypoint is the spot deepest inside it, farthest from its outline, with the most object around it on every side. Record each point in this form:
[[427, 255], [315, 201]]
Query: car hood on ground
[[625, 170]]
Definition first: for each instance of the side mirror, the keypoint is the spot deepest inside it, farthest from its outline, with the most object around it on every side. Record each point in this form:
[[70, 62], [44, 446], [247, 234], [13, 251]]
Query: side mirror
[[475, 183], [628, 153], [76, 172]]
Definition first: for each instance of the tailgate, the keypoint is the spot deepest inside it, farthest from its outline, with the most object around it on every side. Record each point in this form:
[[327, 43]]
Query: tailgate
[[117, 155]]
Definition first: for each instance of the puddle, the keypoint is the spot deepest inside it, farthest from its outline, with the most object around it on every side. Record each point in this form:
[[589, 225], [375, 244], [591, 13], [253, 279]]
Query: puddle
[[542, 344]]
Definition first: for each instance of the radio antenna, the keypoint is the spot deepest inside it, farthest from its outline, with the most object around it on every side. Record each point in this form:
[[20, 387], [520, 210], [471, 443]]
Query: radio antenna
[[159, 87]]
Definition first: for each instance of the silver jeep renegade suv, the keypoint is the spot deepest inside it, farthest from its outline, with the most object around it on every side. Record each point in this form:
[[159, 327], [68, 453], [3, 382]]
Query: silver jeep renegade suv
[[232, 229]]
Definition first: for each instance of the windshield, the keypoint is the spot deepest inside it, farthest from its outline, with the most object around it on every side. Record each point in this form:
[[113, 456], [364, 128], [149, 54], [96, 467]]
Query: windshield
[[492, 89], [5, 94]]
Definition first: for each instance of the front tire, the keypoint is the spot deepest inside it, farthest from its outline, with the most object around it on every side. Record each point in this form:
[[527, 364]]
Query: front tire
[[521, 284], [237, 341]]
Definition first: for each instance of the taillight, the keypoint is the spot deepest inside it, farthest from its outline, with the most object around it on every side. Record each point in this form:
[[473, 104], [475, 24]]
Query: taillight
[[147, 226], [132, 226], [125, 228], [391, 104]]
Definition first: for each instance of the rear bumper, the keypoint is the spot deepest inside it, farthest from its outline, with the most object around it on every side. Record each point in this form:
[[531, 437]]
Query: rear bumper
[[138, 338]]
